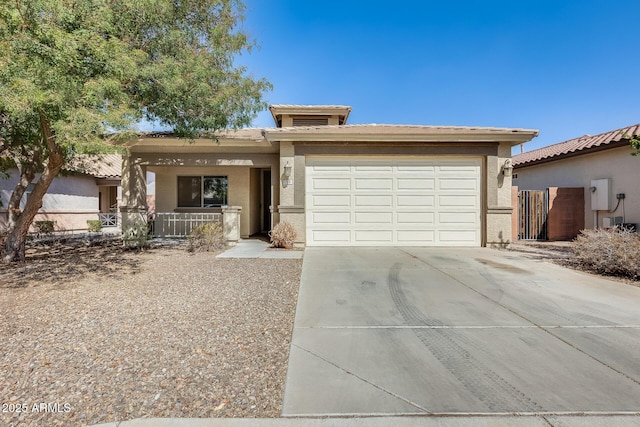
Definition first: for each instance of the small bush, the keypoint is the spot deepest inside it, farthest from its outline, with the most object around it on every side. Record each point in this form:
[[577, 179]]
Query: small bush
[[44, 227], [283, 235], [94, 225], [613, 252], [3, 234], [206, 237], [136, 236]]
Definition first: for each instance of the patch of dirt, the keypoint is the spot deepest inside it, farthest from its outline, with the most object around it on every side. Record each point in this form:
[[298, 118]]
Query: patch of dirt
[[100, 334], [561, 253]]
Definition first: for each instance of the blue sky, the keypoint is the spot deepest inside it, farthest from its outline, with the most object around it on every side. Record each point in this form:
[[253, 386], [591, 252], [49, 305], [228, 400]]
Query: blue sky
[[565, 67]]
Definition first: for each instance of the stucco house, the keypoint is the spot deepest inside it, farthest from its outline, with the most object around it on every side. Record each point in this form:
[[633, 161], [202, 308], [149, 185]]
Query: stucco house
[[78, 194], [338, 184], [601, 165]]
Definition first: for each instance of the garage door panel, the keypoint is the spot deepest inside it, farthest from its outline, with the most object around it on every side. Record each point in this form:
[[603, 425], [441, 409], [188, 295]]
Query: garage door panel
[[331, 218], [469, 184], [330, 201], [331, 236], [373, 217], [373, 184], [332, 184], [415, 236], [379, 236], [393, 201], [469, 218], [373, 200], [372, 168], [416, 183], [415, 218], [416, 167], [415, 200], [461, 237], [461, 201]]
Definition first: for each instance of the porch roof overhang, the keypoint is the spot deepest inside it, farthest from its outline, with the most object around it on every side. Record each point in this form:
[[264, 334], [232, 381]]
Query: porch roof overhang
[[239, 141], [399, 133]]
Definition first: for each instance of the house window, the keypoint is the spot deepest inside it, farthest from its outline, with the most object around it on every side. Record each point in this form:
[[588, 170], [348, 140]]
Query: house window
[[202, 191]]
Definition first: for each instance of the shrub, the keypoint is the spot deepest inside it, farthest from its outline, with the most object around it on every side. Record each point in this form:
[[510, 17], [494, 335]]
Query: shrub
[[283, 235], [94, 225], [206, 237], [135, 236], [614, 252], [44, 227]]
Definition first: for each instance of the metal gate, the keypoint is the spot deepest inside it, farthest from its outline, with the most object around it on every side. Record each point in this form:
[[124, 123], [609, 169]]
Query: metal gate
[[533, 207]]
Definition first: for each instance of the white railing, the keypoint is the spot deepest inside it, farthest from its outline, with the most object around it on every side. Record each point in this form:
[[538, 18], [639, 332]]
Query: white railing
[[172, 224], [108, 219]]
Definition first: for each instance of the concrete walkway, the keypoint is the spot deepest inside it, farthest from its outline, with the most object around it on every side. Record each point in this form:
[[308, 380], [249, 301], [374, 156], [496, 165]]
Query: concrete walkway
[[254, 248], [466, 331]]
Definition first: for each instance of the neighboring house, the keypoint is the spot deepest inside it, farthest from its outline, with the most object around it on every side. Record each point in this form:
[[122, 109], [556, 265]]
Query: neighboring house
[[602, 165], [75, 197], [337, 184]]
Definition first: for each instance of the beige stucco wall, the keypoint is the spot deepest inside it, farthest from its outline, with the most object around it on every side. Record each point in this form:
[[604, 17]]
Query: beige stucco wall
[[497, 191], [616, 164], [66, 193], [70, 201]]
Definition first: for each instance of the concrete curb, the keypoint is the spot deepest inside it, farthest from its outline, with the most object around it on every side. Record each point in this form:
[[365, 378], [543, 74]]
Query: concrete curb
[[586, 420]]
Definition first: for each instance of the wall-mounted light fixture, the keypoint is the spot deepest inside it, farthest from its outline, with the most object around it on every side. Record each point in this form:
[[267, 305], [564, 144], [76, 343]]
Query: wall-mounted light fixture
[[286, 176], [507, 168]]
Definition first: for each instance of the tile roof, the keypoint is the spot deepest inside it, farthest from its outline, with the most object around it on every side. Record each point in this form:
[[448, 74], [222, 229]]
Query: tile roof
[[582, 145], [244, 133], [108, 166], [97, 166]]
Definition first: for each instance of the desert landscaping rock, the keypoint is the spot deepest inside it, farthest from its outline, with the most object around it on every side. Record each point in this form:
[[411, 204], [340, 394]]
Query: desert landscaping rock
[[98, 334]]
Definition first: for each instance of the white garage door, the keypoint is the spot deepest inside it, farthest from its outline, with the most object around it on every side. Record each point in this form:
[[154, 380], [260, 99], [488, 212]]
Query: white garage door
[[393, 202]]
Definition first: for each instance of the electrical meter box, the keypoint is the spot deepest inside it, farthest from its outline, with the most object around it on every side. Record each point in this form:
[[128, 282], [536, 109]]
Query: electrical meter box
[[600, 191]]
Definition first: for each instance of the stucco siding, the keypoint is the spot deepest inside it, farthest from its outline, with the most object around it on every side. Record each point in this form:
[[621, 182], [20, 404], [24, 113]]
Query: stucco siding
[[65, 194], [616, 164]]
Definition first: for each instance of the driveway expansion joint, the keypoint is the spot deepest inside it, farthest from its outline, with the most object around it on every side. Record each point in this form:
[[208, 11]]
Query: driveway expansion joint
[[390, 393]]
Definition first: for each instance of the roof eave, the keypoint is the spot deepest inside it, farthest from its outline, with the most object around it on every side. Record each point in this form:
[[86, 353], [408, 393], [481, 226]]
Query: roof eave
[[511, 137]]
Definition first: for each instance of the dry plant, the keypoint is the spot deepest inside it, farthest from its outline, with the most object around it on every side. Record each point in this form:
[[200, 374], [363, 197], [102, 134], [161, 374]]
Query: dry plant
[[206, 237], [613, 252], [283, 235]]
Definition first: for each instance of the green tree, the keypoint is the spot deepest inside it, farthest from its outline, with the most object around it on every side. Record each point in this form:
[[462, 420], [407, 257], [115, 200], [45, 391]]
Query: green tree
[[77, 75], [635, 144]]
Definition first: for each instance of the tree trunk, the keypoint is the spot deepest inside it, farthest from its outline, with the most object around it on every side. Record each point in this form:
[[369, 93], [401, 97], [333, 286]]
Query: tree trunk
[[14, 243], [27, 166]]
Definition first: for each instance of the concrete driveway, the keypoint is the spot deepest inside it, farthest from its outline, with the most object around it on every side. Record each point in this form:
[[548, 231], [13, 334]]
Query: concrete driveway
[[459, 331]]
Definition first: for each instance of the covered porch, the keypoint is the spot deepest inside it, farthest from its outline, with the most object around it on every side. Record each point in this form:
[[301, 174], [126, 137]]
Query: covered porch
[[233, 180]]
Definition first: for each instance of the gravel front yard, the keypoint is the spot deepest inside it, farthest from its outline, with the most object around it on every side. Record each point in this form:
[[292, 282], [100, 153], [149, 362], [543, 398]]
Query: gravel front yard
[[99, 335]]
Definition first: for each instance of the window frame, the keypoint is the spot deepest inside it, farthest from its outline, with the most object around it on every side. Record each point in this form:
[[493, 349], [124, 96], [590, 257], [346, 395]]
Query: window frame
[[202, 205]]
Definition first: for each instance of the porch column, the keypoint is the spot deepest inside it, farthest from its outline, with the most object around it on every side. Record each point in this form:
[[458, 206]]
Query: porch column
[[134, 193], [231, 223]]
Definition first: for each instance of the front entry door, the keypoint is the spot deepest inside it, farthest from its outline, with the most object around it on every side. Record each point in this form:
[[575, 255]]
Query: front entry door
[[266, 200]]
